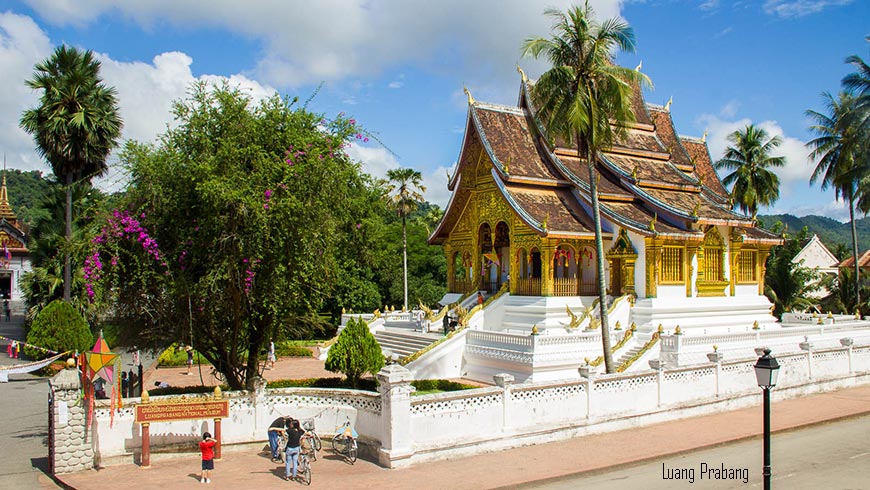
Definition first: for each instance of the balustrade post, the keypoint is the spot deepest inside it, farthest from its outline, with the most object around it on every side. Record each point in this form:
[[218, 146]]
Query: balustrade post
[[807, 346], [658, 366], [847, 343], [587, 372], [505, 381], [394, 385]]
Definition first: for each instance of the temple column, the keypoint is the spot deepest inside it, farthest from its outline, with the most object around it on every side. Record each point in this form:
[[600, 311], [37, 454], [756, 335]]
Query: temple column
[[761, 266], [547, 252], [653, 266], [734, 253], [628, 275], [513, 273]]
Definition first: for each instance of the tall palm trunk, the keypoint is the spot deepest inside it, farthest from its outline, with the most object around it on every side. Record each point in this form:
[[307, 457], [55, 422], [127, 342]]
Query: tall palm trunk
[[855, 250], [67, 269], [599, 252], [405, 260]]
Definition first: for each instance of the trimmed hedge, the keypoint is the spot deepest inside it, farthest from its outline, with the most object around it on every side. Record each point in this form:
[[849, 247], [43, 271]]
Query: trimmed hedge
[[366, 384]]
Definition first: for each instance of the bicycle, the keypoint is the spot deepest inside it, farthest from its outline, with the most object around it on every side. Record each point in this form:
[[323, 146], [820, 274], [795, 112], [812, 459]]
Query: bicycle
[[303, 468], [310, 441], [344, 442]]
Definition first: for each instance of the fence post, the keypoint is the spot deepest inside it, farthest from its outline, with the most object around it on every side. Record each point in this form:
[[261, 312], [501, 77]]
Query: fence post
[[72, 449], [847, 343], [394, 385], [807, 346], [505, 380], [658, 366], [588, 373]]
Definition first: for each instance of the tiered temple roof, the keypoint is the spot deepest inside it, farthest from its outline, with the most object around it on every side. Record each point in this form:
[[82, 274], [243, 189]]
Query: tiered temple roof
[[652, 182]]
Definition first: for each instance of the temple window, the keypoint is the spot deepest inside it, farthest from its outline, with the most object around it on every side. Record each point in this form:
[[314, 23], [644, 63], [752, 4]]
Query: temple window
[[746, 266], [712, 263], [672, 265]]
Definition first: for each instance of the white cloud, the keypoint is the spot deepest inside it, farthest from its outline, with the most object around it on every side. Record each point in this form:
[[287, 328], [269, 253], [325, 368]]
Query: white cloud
[[376, 160], [145, 90], [729, 109], [22, 45], [306, 42], [797, 168], [800, 8]]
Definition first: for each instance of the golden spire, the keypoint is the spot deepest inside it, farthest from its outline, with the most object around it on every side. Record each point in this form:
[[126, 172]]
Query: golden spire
[[470, 98], [668, 105], [704, 138], [6, 211], [522, 73]]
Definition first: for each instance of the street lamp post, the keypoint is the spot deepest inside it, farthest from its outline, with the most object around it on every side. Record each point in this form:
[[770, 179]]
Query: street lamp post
[[766, 372]]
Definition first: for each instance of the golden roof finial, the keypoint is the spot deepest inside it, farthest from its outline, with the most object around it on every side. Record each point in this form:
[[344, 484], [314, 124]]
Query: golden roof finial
[[652, 223], [522, 73], [634, 172], [700, 179], [668, 105], [470, 98], [546, 219], [639, 66], [695, 209], [507, 166], [704, 138]]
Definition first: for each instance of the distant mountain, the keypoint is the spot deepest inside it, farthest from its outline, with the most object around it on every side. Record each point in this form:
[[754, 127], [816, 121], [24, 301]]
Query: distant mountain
[[830, 231]]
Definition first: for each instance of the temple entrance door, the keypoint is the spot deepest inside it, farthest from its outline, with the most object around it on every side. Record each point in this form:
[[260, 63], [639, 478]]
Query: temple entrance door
[[6, 284], [616, 277]]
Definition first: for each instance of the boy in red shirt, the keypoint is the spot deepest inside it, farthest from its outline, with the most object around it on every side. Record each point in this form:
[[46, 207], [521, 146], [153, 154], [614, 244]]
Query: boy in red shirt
[[206, 446]]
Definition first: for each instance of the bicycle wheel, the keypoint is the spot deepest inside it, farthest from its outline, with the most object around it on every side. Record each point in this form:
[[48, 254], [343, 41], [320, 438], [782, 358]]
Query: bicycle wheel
[[340, 444], [318, 444], [304, 470], [308, 447], [351, 452]]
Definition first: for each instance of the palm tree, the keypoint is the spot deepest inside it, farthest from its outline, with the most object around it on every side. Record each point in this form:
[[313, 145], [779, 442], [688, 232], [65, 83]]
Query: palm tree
[[835, 150], [580, 96], [859, 119], [76, 124], [753, 183], [407, 185]]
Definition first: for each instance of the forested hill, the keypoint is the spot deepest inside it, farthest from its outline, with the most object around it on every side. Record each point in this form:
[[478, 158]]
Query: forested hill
[[830, 231]]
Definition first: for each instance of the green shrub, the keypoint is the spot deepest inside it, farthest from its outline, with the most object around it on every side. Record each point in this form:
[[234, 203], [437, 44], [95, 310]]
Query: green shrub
[[366, 384], [58, 327], [355, 353], [291, 349], [438, 385], [175, 357]]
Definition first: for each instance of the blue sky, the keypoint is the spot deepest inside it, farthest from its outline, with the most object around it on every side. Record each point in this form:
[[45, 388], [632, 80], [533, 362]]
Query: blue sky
[[399, 67]]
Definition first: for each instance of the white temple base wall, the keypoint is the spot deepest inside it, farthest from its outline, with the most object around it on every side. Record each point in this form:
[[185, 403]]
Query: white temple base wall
[[704, 316]]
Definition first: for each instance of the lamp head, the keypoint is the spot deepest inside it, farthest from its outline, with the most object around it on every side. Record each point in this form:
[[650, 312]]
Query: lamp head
[[766, 370]]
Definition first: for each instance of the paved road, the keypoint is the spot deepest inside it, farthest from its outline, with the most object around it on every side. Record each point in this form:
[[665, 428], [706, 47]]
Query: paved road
[[23, 422], [830, 456]]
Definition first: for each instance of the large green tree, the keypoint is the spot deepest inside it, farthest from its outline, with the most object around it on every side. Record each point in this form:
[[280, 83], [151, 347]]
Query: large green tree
[[238, 225], [837, 154], [586, 99], [753, 183], [404, 192], [76, 124], [789, 285]]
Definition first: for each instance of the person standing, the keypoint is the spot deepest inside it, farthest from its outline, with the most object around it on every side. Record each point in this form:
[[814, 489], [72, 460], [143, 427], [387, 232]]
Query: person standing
[[278, 427], [479, 298], [16, 350], [291, 456], [189, 350], [206, 447], [7, 310], [271, 358]]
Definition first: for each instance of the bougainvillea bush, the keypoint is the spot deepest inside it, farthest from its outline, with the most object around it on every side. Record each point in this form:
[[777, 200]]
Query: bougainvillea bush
[[240, 219]]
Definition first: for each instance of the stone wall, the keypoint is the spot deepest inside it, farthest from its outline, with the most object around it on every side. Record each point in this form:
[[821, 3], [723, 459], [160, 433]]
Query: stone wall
[[71, 447]]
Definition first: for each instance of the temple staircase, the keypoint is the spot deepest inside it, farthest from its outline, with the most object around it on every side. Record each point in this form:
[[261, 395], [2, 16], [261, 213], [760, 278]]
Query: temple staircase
[[403, 342]]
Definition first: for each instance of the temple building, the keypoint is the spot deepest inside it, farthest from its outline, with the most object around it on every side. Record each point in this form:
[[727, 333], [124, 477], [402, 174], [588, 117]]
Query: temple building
[[14, 257], [520, 215]]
